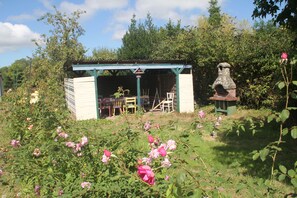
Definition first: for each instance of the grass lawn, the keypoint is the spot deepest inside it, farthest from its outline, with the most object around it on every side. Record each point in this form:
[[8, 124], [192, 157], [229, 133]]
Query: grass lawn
[[219, 161]]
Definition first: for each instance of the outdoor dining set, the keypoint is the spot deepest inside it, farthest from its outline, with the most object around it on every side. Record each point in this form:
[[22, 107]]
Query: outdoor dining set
[[111, 106]]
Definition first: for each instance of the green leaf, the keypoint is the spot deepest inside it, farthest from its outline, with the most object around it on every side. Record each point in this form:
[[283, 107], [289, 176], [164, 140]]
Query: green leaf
[[283, 169], [294, 95], [256, 156], [285, 131], [294, 182], [294, 133], [263, 154], [292, 108], [294, 82], [281, 85], [284, 115], [281, 177], [270, 118], [291, 173]]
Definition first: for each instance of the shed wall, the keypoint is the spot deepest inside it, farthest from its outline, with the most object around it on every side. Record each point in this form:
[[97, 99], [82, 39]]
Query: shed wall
[[85, 99], [186, 94], [80, 97]]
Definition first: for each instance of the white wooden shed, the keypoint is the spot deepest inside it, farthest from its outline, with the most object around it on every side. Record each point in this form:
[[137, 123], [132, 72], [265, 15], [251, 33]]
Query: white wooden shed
[[82, 93]]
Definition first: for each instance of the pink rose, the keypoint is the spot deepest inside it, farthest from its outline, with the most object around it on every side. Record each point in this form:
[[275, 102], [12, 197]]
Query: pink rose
[[84, 141], [147, 126], [37, 190], [86, 185], [154, 153], [171, 145], [147, 160], [284, 55], [166, 163], [201, 114], [162, 151], [15, 143], [107, 153], [70, 144], [63, 135], [30, 127], [150, 139], [78, 147], [167, 177], [146, 174], [105, 159]]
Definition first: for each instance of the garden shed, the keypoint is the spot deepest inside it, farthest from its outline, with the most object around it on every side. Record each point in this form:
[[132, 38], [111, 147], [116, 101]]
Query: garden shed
[[148, 81]]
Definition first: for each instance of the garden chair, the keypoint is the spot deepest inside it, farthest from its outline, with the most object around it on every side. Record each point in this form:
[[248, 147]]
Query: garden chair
[[105, 104], [117, 103], [130, 103], [168, 104]]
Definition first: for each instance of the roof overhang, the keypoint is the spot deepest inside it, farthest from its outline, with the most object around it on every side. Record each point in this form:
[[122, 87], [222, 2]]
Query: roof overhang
[[129, 65]]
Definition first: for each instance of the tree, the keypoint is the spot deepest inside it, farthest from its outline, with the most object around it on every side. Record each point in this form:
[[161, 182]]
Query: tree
[[14, 75], [139, 41], [214, 13], [283, 12], [52, 62], [62, 44], [104, 54]]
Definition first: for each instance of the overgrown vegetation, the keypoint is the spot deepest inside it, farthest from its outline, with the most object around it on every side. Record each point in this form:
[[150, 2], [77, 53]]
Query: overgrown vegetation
[[46, 153]]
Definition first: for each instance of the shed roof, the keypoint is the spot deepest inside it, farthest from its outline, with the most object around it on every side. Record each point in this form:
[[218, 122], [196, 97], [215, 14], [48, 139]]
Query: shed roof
[[128, 65]]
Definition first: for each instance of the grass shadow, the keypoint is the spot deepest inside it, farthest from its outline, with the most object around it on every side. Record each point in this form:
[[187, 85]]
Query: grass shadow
[[242, 139]]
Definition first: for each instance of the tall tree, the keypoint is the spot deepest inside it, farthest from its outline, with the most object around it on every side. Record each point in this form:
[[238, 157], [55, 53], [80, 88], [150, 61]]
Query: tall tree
[[283, 12], [214, 11], [139, 40]]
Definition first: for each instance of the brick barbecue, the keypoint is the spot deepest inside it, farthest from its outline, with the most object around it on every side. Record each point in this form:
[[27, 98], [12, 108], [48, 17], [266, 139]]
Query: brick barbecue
[[225, 90]]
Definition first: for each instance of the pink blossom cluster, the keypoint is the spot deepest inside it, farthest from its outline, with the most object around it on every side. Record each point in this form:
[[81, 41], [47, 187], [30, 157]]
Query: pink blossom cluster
[[106, 156], [201, 114], [77, 146], [147, 126], [61, 133], [15, 143], [86, 185], [162, 150]]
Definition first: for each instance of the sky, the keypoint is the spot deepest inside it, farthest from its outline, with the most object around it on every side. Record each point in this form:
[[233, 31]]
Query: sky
[[105, 21]]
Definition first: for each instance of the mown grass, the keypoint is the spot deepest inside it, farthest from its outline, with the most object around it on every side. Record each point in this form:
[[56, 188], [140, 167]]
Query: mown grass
[[221, 163]]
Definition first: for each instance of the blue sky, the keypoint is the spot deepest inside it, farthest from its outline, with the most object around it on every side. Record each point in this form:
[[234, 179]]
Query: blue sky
[[105, 21]]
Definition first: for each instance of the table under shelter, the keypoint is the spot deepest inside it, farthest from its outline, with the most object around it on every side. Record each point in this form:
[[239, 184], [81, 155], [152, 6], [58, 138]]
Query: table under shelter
[[94, 90]]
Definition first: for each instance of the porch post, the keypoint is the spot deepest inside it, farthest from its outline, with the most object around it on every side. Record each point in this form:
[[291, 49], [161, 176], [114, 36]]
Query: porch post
[[138, 91], [96, 92], [177, 71]]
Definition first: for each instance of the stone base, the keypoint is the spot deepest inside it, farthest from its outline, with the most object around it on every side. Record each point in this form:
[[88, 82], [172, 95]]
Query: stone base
[[228, 107]]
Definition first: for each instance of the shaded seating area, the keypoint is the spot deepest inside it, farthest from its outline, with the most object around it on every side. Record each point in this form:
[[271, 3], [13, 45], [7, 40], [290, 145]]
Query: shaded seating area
[[148, 82]]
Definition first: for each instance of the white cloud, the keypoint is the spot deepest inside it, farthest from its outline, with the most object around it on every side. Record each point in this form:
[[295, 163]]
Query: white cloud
[[92, 6], [161, 11], [16, 36]]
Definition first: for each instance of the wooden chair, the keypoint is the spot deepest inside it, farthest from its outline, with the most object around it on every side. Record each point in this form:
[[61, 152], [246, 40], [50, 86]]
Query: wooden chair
[[168, 104], [117, 103], [130, 103], [105, 104]]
